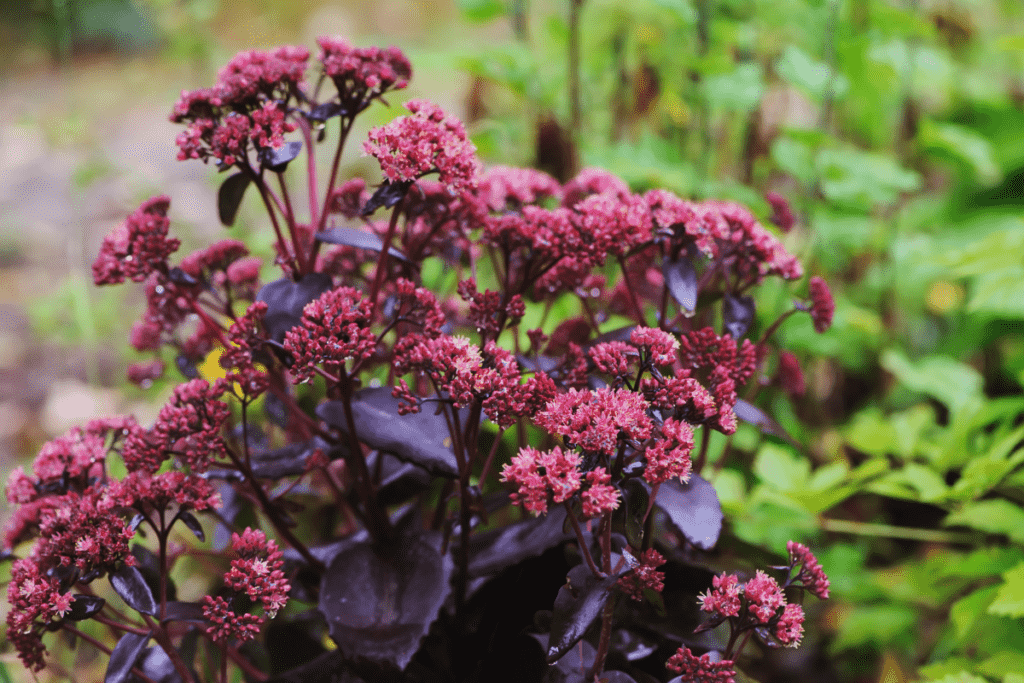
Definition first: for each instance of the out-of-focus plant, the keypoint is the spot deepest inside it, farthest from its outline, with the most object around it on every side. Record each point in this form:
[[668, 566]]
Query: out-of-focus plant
[[586, 339]]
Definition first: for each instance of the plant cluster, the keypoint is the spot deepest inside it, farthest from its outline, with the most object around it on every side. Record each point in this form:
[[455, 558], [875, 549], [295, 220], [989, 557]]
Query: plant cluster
[[435, 352]]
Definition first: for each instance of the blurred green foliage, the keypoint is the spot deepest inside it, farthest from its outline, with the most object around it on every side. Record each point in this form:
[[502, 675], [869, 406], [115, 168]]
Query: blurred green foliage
[[893, 127]]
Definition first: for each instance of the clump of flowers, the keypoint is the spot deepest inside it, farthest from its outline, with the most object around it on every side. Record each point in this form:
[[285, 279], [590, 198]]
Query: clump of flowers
[[435, 349]]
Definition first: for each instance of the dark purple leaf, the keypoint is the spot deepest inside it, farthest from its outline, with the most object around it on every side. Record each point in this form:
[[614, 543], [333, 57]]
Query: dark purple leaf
[[681, 280], [378, 604], [193, 524], [180, 277], [157, 666], [66, 576], [229, 197], [421, 438], [399, 481], [184, 611], [136, 521], [748, 412], [493, 551], [186, 366], [277, 160], [737, 314], [631, 646], [693, 509], [577, 605], [628, 519], [286, 298], [85, 606], [286, 461], [133, 589], [571, 666], [360, 239], [327, 668], [617, 677], [325, 111], [387, 195], [124, 656]]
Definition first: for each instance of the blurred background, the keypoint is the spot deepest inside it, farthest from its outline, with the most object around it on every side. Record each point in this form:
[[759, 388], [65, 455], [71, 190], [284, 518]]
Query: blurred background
[[893, 127]]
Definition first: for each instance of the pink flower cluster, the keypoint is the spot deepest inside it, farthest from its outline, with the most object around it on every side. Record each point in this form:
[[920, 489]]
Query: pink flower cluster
[[644, 576], [257, 573], [597, 421], [427, 141], [188, 426], [138, 247], [823, 306], [761, 604], [543, 477], [811, 575], [362, 74], [335, 327], [669, 457], [36, 601], [463, 372], [693, 669]]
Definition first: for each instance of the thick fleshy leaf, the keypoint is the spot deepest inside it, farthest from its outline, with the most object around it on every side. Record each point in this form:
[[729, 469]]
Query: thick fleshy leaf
[[631, 645], [361, 239], [748, 412], [681, 279], [493, 551], [387, 195], [157, 666], [229, 197], [133, 589], [136, 521], [124, 656], [325, 111], [180, 277], [399, 481], [380, 605], [85, 606], [193, 524], [421, 438], [277, 160], [286, 298], [693, 509], [288, 460], [577, 605], [184, 611], [327, 668], [186, 366], [628, 518], [737, 314]]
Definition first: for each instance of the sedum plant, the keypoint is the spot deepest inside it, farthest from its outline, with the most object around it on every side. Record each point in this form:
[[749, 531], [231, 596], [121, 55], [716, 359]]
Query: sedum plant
[[458, 433]]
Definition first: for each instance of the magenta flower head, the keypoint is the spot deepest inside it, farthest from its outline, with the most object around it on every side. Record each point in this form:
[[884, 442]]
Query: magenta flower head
[[782, 214], [334, 328], [693, 669], [429, 140], [362, 74], [542, 477], [138, 247], [811, 575], [823, 306]]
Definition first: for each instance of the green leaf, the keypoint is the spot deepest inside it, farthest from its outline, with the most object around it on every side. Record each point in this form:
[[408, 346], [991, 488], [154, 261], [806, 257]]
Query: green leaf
[[1009, 602], [962, 677], [967, 610], [794, 157], [947, 667], [1002, 664], [996, 516], [863, 180], [879, 625], [964, 145], [951, 382], [481, 10], [814, 77], [782, 468], [741, 90]]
